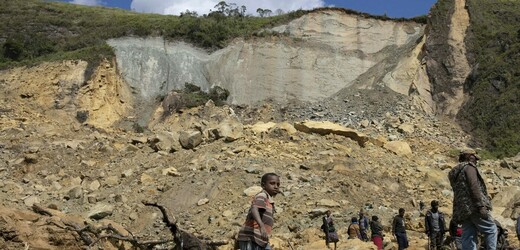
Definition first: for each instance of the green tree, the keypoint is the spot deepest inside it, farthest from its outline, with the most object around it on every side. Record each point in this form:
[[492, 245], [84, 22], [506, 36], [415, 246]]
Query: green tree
[[189, 13], [222, 6], [260, 12]]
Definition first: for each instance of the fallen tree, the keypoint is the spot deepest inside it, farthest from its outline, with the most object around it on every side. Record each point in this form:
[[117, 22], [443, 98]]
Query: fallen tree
[[95, 236]]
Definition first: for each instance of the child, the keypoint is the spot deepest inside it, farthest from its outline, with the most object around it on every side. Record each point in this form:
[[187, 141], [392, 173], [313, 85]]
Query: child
[[254, 235]]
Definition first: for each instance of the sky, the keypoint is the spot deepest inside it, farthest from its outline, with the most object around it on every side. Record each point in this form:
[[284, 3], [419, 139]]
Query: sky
[[392, 8]]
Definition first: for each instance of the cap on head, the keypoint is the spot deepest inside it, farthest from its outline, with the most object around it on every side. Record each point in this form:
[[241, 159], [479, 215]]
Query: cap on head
[[469, 151]]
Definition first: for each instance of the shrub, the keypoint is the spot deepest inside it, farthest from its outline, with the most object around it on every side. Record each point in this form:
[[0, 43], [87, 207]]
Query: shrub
[[13, 50]]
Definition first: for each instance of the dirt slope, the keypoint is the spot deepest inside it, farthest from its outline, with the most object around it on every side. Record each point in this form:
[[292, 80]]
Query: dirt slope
[[88, 170]]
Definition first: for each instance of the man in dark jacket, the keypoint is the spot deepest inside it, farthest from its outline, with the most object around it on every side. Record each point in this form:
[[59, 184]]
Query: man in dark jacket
[[435, 226], [471, 202]]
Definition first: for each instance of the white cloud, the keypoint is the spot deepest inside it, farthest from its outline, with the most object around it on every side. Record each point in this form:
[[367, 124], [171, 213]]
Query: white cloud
[[88, 2], [175, 7]]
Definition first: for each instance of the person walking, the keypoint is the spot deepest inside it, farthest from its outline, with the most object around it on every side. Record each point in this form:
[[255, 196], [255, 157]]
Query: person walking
[[330, 231], [471, 202], [399, 230], [435, 226]]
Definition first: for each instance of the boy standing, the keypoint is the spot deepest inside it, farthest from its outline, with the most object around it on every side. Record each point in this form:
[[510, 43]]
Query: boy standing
[[254, 235], [435, 225], [399, 230]]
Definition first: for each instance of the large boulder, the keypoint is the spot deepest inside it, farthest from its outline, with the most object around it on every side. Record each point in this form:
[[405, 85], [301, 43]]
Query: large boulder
[[165, 141], [507, 197], [231, 130], [326, 127], [190, 139]]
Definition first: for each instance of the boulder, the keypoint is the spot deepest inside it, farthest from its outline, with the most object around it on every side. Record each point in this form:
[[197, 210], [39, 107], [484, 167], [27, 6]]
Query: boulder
[[261, 127], [100, 211], [326, 127], [94, 185], [287, 127], [327, 203], [511, 163], [190, 139], [31, 200], [75, 193], [251, 191], [230, 130], [171, 171], [406, 128], [165, 141], [507, 197], [401, 148], [146, 180], [202, 201]]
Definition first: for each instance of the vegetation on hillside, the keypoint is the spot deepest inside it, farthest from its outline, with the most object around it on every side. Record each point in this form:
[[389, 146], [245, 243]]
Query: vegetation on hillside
[[494, 45], [33, 31]]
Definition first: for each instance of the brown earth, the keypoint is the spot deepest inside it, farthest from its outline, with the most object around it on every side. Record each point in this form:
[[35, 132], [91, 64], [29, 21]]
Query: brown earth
[[55, 154]]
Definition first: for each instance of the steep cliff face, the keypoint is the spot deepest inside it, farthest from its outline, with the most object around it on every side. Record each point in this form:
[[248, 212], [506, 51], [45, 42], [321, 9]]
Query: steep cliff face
[[59, 93], [318, 55], [447, 62]]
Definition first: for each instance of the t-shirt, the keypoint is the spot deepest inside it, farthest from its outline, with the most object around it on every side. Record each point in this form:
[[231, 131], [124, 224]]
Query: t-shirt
[[435, 222], [250, 231], [398, 225]]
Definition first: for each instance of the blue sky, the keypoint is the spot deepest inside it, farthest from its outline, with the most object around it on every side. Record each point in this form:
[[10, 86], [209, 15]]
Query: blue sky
[[392, 8]]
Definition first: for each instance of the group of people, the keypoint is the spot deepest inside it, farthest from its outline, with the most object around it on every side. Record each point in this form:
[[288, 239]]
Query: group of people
[[470, 218], [358, 229]]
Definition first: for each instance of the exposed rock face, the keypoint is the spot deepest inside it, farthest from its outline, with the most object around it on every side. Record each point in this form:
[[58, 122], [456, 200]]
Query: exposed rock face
[[106, 97], [57, 90], [322, 53], [446, 61]]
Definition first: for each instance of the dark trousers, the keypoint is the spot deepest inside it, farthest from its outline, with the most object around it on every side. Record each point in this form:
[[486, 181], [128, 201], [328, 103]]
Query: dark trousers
[[436, 239], [402, 240]]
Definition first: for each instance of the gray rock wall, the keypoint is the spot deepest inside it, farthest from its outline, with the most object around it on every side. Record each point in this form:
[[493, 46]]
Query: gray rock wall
[[322, 53], [153, 66]]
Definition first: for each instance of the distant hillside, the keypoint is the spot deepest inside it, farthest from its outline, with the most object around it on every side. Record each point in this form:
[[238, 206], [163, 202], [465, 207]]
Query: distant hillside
[[33, 31], [493, 110]]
